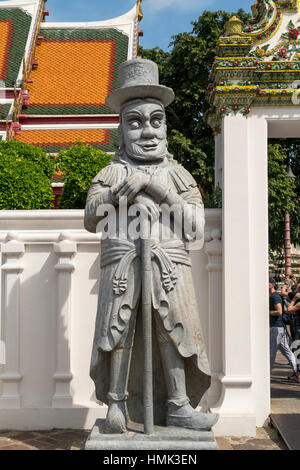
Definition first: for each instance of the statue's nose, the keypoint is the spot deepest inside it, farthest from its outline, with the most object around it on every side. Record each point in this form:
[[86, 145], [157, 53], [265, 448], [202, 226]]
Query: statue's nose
[[148, 131]]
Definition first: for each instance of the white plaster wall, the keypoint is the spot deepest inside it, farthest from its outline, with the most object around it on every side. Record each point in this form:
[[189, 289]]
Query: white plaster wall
[[37, 326], [37, 347]]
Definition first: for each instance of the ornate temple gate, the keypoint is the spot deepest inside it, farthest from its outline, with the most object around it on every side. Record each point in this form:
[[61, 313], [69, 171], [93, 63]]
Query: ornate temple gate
[[253, 96]]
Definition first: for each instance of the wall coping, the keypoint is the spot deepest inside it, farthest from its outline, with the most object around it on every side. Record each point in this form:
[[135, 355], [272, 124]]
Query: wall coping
[[52, 226], [70, 214]]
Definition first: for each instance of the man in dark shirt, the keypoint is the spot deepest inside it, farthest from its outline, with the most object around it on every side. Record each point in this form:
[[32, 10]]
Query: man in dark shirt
[[294, 310], [278, 336]]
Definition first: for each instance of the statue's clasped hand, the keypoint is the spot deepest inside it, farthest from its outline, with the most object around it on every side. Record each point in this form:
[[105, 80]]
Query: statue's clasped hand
[[146, 203], [131, 186]]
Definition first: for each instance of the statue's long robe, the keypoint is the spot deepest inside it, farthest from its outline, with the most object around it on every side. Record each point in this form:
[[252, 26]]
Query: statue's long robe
[[173, 296]]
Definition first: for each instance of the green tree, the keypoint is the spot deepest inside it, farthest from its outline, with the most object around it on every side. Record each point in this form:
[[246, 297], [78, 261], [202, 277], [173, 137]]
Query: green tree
[[186, 68], [30, 153], [283, 195], [79, 165], [25, 177]]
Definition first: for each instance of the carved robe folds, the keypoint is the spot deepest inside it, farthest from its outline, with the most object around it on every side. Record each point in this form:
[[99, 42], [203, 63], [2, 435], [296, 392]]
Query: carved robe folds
[[173, 297]]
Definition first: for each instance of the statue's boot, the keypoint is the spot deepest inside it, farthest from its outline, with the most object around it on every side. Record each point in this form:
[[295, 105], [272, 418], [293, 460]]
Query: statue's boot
[[180, 413], [116, 419], [186, 417]]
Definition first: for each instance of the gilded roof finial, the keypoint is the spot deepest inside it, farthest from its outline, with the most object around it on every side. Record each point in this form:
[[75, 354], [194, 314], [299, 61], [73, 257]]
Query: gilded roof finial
[[139, 10], [259, 10], [234, 27]]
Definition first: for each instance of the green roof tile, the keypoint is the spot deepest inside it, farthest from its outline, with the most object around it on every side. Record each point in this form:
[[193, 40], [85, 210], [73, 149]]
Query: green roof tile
[[4, 110], [20, 23]]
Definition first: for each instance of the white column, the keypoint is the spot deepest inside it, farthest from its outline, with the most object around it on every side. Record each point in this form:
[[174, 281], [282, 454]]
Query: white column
[[245, 266], [219, 160], [213, 248], [259, 267], [10, 376], [65, 251]]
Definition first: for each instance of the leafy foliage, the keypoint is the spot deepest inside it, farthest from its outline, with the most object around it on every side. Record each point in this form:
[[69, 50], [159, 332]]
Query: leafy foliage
[[186, 69], [282, 197], [79, 165], [294, 148], [214, 200], [23, 184], [29, 153]]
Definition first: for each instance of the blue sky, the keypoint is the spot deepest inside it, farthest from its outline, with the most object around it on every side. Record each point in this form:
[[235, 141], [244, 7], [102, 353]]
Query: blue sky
[[162, 18]]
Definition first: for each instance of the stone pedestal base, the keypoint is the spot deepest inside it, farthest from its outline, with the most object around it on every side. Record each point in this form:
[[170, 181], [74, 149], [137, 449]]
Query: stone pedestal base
[[163, 438]]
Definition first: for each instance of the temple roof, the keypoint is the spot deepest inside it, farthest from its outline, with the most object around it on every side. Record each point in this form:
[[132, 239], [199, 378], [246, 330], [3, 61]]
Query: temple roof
[[77, 69], [19, 23], [55, 76]]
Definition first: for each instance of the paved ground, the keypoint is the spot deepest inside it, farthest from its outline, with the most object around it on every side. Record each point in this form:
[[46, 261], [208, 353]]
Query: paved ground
[[43, 440], [266, 439], [285, 404], [74, 440], [285, 399], [284, 394]]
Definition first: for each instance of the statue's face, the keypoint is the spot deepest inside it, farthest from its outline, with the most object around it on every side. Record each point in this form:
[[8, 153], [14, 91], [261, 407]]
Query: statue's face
[[144, 130]]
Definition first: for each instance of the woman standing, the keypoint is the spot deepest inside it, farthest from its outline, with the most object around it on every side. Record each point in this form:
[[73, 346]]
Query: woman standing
[[294, 311]]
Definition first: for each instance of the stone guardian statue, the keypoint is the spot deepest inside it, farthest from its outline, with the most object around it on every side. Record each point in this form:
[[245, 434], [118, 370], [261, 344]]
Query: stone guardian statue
[[143, 172]]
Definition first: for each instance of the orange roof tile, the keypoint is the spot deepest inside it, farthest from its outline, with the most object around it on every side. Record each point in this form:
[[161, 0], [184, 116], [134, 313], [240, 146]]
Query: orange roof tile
[[69, 73], [63, 137], [6, 30]]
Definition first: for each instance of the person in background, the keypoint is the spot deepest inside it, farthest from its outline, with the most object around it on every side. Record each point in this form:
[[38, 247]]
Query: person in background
[[278, 334], [287, 294], [294, 311], [290, 287]]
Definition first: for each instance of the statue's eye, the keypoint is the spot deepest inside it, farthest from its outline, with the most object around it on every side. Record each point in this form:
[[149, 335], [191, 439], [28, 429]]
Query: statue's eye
[[134, 125], [156, 123]]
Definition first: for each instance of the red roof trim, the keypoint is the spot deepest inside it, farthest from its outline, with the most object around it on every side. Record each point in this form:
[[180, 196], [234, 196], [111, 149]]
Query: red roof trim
[[28, 120], [6, 94]]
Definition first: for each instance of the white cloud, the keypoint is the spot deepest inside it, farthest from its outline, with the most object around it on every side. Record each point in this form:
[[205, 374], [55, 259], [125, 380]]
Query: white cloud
[[157, 5]]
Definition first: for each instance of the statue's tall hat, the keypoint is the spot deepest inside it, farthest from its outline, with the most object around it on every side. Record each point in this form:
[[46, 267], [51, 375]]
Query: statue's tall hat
[[139, 79]]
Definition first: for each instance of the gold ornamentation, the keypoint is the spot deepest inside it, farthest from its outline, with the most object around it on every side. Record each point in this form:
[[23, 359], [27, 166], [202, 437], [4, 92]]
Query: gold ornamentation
[[234, 26], [139, 10]]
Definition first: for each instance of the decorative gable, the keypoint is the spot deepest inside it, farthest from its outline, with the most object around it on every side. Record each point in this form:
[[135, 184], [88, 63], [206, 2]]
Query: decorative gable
[[257, 64]]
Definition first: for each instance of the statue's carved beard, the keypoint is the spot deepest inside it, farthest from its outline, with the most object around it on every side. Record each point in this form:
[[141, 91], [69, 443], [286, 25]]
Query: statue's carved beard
[[136, 153]]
